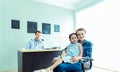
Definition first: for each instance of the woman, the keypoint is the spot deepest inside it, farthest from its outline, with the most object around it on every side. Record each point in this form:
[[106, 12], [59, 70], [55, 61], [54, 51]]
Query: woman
[[86, 45], [87, 52]]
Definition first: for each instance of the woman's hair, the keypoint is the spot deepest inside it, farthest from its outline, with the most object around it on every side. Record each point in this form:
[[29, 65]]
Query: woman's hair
[[80, 29], [71, 35]]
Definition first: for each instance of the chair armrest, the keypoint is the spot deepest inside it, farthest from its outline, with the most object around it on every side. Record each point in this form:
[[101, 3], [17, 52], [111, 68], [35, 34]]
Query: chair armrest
[[86, 63], [85, 59]]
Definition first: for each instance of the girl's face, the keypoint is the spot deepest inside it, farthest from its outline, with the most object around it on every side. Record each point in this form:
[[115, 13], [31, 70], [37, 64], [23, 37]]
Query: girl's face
[[73, 38], [81, 35]]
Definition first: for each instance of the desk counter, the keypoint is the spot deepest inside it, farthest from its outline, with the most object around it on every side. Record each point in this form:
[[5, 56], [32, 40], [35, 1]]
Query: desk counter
[[29, 60]]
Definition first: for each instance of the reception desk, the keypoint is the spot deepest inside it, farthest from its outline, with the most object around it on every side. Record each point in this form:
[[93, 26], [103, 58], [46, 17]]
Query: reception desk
[[29, 60]]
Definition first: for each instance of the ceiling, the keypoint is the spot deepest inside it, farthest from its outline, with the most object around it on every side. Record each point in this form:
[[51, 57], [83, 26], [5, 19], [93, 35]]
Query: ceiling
[[70, 4]]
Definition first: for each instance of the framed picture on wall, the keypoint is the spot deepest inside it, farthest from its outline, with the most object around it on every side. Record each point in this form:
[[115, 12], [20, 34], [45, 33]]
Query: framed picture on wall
[[31, 27], [15, 24], [46, 28], [56, 28]]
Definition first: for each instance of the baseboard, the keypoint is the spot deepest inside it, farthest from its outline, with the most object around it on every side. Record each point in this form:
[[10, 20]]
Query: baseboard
[[107, 69], [9, 71]]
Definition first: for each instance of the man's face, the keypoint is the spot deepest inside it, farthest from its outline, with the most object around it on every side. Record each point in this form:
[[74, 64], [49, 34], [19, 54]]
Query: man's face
[[37, 35]]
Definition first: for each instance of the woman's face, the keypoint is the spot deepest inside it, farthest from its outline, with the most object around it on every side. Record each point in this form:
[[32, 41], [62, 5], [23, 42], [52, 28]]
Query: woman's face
[[81, 35]]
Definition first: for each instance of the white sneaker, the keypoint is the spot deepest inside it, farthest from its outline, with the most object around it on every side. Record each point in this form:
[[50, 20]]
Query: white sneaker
[[36, 71], [42, 70], [49, 70], [45, 70]]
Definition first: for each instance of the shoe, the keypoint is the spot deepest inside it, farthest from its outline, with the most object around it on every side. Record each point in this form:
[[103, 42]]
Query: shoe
[[36, 71], [45, 70], [42, 70], [49, 70]]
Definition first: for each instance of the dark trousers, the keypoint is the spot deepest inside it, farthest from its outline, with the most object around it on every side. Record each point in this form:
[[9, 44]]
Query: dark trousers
[[68, 67]]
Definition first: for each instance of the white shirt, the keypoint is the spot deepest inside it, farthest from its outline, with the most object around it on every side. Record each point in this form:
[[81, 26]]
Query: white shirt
[[34, 44]]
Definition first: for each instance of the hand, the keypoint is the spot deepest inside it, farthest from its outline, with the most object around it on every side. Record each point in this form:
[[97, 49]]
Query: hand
[[80, 57], [23, 49], [63, 54], [54, 60], [74, 59]]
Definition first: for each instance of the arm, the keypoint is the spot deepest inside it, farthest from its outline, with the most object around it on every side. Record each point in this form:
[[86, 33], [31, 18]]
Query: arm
[[63, 53], [89, 50], [81, 51], [28, 46]]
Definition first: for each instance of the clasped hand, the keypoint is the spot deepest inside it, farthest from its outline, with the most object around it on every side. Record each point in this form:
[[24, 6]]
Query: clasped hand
[[76, 58]]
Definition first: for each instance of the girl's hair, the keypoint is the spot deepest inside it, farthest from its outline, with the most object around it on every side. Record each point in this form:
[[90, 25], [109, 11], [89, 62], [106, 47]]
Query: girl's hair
[[71, 35], [81, 29]]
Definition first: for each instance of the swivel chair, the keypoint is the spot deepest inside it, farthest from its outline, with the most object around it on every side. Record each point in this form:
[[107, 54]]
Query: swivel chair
[[86, 64]]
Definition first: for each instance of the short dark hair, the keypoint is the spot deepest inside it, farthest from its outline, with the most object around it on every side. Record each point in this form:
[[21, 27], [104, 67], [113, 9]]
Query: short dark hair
[[80, 29], [71, 35], [37, 31]]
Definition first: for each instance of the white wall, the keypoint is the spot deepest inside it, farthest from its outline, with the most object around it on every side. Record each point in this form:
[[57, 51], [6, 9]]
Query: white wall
[[102, 22], [28, 10]]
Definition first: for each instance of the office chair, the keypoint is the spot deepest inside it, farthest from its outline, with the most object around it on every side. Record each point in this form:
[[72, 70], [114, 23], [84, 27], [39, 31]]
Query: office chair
[[86, 64]]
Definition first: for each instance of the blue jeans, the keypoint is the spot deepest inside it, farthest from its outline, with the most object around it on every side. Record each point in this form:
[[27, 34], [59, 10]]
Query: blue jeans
[[68, 67]]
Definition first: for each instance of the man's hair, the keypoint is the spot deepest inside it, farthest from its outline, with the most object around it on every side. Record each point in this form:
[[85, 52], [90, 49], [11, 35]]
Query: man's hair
[[80, 29], [37, 31]]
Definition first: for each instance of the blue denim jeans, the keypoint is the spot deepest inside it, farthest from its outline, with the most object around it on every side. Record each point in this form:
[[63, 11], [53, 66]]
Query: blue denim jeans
[[68, 67]]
